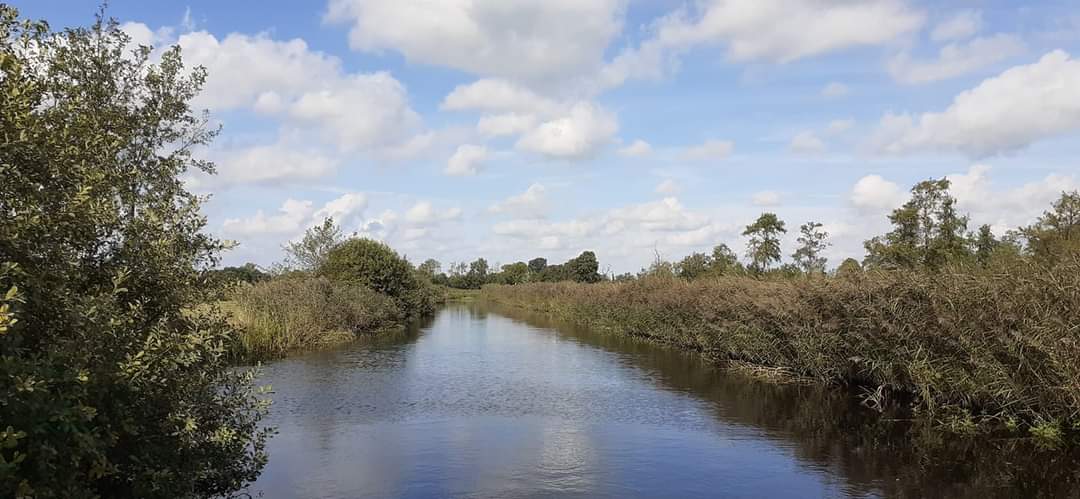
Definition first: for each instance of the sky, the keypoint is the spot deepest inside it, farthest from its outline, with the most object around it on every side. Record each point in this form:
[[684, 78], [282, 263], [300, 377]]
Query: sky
[[457, 129]]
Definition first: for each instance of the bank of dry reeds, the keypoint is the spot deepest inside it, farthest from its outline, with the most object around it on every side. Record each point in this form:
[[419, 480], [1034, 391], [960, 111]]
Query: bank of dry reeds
[[962, 345], [287, 315]]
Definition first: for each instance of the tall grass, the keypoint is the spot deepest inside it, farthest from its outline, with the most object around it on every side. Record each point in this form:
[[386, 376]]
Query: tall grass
[[301, 313], [960, 345]]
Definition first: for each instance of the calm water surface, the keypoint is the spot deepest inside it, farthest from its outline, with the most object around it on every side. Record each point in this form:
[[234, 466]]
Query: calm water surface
[[491, 402]]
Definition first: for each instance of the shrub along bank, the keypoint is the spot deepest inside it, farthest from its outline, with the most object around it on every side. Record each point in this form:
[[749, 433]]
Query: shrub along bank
[[360, 286], [961, 346]]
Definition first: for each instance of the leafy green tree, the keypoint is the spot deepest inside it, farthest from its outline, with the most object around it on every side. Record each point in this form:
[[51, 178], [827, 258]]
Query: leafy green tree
[[430, 268], [514, 273], [812, 242], [693, 266], [725, 261], [848, 267], [763, 249], [248, 272], [985, 244], [310, 252], [1057, 232], [375, 265], [478, 274], [537, 265], [927, 231], [114, 379], [584, 267]]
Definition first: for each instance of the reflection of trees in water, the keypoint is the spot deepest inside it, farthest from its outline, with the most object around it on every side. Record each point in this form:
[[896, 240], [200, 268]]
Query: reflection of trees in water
[[823, 427]]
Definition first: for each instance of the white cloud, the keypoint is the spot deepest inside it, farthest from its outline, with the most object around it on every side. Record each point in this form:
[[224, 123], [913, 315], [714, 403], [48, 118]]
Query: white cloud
[[1002, 114], [667, 187], [294, 216], [956, 59], [505, 124], [579, 134], [497, 95], [241, 67], [272, 164], [837, 127], [711, 149], [423, 213], [834, 90], [639, 148], [766, 198], [467, 160], [772, 30], [667, 214], [289, 219], [1008, 208], [345, 210], [529, 204], [360, 111], [806, 142], [874, 194], [961, 25], [529, 40]]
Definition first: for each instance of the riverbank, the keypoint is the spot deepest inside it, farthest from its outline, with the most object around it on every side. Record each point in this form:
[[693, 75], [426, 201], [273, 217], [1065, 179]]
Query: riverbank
[[974, 350]]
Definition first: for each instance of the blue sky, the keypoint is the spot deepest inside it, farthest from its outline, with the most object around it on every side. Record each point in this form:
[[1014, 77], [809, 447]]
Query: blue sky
[[464, 128]]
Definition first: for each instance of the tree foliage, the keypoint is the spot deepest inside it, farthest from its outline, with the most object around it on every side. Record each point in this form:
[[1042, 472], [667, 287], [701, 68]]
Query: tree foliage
[[763, 249], [111, 384], [1057, 232], [927, 231], [375, 265], [310, 251], [812, 242]]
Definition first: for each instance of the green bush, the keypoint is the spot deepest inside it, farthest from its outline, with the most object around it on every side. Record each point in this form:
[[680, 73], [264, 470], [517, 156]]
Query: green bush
[[299, 313], [113, 383], [374, 265]]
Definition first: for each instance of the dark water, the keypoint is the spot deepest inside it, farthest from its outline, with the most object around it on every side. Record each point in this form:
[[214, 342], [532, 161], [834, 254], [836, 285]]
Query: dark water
[[485, 402]]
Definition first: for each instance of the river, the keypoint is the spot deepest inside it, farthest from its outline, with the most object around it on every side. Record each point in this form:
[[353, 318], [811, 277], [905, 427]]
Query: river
[[482, 401]]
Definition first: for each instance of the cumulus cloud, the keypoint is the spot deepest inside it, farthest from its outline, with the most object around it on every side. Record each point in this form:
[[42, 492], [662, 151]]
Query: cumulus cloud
[[467, 160], [711, 149], [241, 67], [1002, 114], [529, 204], [837, 127], [806, 142], [639, 148], [771, 30], [360, 111], [497, 95], [497, 125], [874, 194], [961, 25], [834, 90], [423, 213], [1005, 208], [307, 89], [667, 187], [766, 198], [294, 216], [667, 214], [956, 59], [274, 164], [529, 40], [579, 134]]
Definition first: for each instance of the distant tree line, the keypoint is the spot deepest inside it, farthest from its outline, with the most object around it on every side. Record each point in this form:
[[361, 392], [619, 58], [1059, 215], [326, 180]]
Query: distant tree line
[[582, 268]]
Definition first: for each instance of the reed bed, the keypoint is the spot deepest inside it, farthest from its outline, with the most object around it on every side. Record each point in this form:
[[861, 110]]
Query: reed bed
[[287, 315], [962, 346]]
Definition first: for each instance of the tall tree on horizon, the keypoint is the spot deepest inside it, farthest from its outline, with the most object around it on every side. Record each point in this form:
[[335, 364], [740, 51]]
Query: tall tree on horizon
[[763, 248]]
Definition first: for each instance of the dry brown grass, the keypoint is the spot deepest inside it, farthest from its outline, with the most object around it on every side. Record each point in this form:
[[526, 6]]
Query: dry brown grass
[[997, 344]]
